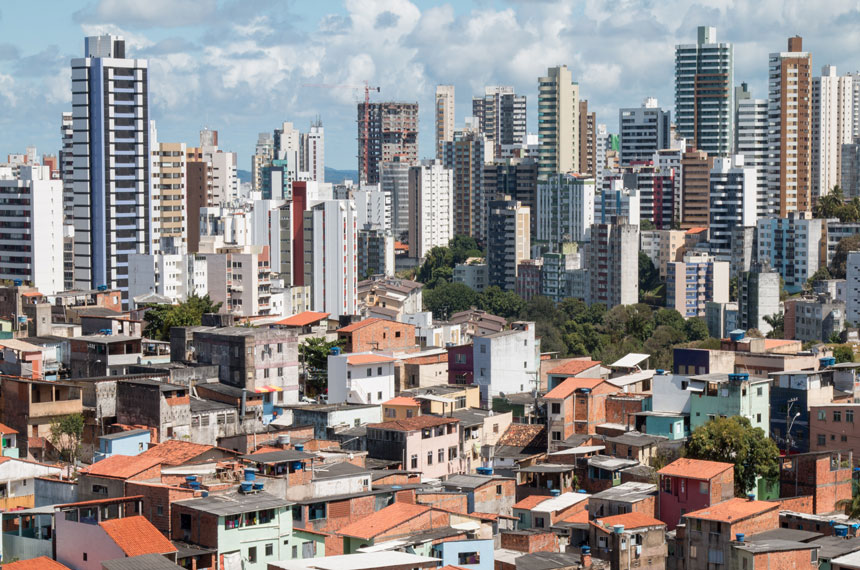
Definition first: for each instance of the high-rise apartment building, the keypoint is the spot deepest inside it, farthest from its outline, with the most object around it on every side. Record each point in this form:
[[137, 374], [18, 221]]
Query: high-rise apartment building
[[791, 246], [67, 167], [703, 93], [31, 236], [395, 184], [445, 117], [565, 208], [587, 140], [849, 169], [751, 142], [168, 198], [758, 297], [390, 130], [517, 178], [110, 108], [330, 258], [558, 122], [612, 251], [695, 189], [656, 186], [789, 113], [466, 156], [501, 116], [312, 152], [832, 126], [733, 202], [431, 202], [644, 131], [695, 281], [616, 202], [508, 241], [263, 155]]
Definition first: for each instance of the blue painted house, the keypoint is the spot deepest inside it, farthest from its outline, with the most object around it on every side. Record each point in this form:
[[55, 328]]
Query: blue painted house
[[469, 554], [132, 442]]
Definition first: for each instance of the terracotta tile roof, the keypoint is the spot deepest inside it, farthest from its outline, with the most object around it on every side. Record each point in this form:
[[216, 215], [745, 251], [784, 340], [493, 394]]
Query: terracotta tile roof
[[629, 520], [360, 324], [579, 517], [136, 536], [491, 516], [103, 501], [6, 430], [122, 466], [696, 230], [176, 452], [531, 502], [733, 510], [383, 520], [571, 385], [432, 359], [771, 343], [303, 319], [359, 359], [695, 468], [416, 423], [40, 563], [524, 435], [402, 401], [574, 367]]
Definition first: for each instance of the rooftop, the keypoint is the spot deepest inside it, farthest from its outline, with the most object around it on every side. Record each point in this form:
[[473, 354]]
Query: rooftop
[[122, 434], [136, 535], [610, 463], [142, 562], [280, 456], [733, 510], [416, 423], [176, 452], [40, 563], [835, 546], [551, 561], [774, 545], [358, 561], [382, 520], [472, 416], [234, 503], [695, 468], [563, 501], [530, 502], [629, 520], [632, 360], [629, 492], [402, 401], [359, 359], [303, 319], [794, 534], [574, 367], [635, 438], [122, 466], [107, 338], [339, 470], [570, 386], [361, 324], [467, 481]]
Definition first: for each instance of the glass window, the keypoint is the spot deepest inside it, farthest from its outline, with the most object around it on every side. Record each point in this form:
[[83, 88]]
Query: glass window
[[414, 462], [252, 555], [441, 455], [429, 458], [316, 511], [837, 416]]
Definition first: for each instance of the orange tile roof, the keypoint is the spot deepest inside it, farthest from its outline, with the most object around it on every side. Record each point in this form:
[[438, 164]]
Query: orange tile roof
[[383, 520], [531, 502], [122, 466], [696, 230], [4, 429], [629, 520], [579, 517], [574, 367], [733, 510], [695, 468], [40, 563], [402, 401], [570, 386], [103, 501], [359, 359], [416, 423], [136, 536], [770, 343], [360, 324], [303, 319], [31, 294], [176, 452]]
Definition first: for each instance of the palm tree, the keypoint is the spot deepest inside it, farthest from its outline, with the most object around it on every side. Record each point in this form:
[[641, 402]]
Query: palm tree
[[851, 506]]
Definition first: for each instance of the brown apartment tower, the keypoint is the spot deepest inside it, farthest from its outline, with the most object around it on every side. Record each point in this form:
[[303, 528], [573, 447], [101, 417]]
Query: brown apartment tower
[[789, 111], [587, 140], [391, 130]]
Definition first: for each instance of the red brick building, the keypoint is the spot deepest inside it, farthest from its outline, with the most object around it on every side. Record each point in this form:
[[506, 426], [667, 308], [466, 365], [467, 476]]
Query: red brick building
[[577, 405], [377, 334], [823, 475]]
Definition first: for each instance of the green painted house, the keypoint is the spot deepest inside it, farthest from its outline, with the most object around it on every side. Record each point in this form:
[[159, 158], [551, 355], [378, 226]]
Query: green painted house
[[726, 395]]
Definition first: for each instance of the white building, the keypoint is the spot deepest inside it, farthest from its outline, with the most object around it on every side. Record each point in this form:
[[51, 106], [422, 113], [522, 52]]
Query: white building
[[330, 260], [616, 202], [751, 142], [372, 209], [31, 229], [240, 278], [832, 125], [110, 102], [473, 273], [506, 361], [565, 207], [431, 197], [312, 152], [791, 246], [611, 253], [733, 201], [360, 378], [644, 131], [173, 275]]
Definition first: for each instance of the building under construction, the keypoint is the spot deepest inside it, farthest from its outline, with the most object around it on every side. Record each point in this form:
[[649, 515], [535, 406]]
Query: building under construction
[[385, 130]]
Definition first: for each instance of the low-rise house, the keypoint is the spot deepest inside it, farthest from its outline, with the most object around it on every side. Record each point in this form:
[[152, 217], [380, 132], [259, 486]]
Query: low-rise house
[[542, 512], [17, 481], [709, 533], [326, 418], [104, 355], [386, 560], [825, 476], [443, 399], [506, 361], [833, 547], [575, 368], [211, 421], [629, 497], [20, 358], [461, 364], [401, 408], [29, 407], [426, 369], [526, 407], [474, 322], [521, 444], [165, 407], [480, 431], [106, 479], [428, 444], [377, 334], [88, 533], [576, 406], [365, 378], [774, 553], [792, 394], [634, 445], [604, 471], [484, 493], [400, 295], [833, 426], [8, 441], [306, 324], [249, 530], [129, 443], [467, 554], [631, 540], [726, 395], [688, 485]]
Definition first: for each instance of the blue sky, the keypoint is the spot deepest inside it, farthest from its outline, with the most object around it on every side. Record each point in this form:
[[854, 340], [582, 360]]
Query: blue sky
[[243, 67]]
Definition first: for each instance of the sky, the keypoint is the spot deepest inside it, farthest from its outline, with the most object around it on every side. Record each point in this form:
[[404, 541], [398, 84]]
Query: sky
[[243, 67]]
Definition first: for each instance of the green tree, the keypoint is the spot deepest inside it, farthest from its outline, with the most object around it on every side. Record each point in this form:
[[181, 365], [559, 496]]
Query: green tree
[[733, 289], [160, 318], [734, 440], [820, 275], [830, 204], [502, 303], [659, 345], [840, 257], [649, 277], [777, 324], [851, 506], [843, 353], [646, 225], [313, 354], [66, 433], [696, 329], [449, 298], [542, 309], [669, 317]]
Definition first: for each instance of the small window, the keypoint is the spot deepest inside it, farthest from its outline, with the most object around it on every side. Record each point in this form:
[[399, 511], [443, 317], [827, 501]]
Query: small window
[[270, 548], [759, 391], [844, 438], [468, 558], [429, 458], [370, 372], [85, 556], [703, 487], [483, 349], [396, 334], [295, 552], [556, 408], [556, 436], [252, 555], [758, 418], [849, 416], [414, 462], [837, 416], [159, 510], [498, 489], [379, 396], [822, 415], [379, 371]]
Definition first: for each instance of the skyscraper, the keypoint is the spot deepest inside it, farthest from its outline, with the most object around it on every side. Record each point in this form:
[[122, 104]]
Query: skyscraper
[[466, 156], [331, 263], [558, 123], [508, 241], [263, 155], [695, 189], [751, 142], [789, 113], [733, 202], [110, 108], [431, 219], [644, 131], [703, 93], [612, 251], [168, 191], [312, 152], [565, 208], [444, 117], [395, 183], [501, 116], [832, 125], [391, 131], [587, 140]]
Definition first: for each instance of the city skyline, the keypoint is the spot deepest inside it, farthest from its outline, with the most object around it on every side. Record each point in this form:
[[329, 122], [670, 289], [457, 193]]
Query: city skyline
[[244, 68]]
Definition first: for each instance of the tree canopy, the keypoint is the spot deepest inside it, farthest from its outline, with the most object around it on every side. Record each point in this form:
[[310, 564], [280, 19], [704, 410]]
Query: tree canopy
[[734, 440], [840, 257], [314, 352], [160, 318], [66, 433], [834, 205]]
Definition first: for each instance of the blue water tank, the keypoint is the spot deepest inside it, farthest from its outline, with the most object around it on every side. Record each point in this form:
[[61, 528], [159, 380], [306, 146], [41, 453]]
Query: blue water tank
[[739, 377], [335, 350], [583, 491], [258, 486], [555, 492], [827, 361], [245, 486], [736, 335], [102, 287], [17, 282], [840, 530], [660, 372], [250, 474], [299, 447], [739, 537], [585, 550]]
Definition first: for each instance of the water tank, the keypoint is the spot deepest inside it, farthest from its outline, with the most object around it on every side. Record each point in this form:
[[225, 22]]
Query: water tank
[[618, 528], [258, 486], [585, 391], [555, 492], [17, 282], [840, 530], [585, 550], [335, 350], [751, 496], [583, 491], [660, 372], [284, 439], [739, 377], [736, 335], [102, 287], [245, 487], [739, 537], [300, 447], [827, 361], [250, 474], [204, 494]]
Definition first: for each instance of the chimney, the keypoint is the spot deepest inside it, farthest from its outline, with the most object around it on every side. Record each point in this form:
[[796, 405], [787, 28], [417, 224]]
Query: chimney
[[585, 556], [795, 43]]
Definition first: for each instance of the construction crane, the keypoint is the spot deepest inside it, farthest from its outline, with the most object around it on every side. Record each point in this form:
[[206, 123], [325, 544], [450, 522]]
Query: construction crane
[[365, 127]]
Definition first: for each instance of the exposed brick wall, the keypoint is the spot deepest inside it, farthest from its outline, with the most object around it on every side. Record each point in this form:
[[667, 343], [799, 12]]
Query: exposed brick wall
[[426, 521], [811, 474], [155, 496], [799, 559], [620, 409], [333, 545], [802, 504], [380, 335], [407, 496], [530, 542], [455, 502], [204, 527]]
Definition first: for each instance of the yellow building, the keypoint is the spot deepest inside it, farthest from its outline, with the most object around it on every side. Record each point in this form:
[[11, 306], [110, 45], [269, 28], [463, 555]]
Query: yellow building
[[400, 408]]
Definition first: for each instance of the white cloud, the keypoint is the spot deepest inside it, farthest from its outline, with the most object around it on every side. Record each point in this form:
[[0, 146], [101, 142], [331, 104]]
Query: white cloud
[[150, 13]]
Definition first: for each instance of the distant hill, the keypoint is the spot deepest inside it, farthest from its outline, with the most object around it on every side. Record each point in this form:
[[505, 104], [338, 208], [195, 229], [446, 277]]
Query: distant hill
[[332, 175]]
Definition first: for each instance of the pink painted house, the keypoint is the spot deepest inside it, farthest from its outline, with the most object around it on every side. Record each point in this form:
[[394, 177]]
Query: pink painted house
[[688, 485], [429, 444]]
